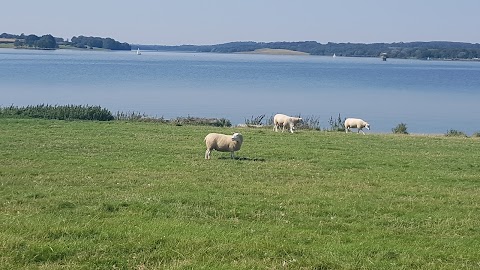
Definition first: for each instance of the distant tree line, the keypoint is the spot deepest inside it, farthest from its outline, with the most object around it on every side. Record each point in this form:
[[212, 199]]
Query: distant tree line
[[50, 42], [418, 50], [33, 41], [5, 35], [98, 42]]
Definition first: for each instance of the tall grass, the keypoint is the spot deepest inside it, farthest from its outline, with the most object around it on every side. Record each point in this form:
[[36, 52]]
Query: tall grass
[[400, 129], [136, 116], [455, 133], [200, 121], [255, 120], [59, 112], [336, 124], [311, 122]]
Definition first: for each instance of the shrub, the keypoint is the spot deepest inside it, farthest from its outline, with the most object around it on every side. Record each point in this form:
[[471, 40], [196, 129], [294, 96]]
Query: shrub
[[400, 129], [476, 134], [65, 112], [309, 122], [455, 133], [179, 121], [254, 121], [336, 124], [189, 120], [133, 116]]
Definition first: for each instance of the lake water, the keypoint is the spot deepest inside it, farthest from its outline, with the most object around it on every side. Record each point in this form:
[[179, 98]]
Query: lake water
[[429, 96]]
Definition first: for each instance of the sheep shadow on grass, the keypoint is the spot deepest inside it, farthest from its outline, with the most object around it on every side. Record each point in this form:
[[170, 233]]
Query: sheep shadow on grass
[[244, 158]]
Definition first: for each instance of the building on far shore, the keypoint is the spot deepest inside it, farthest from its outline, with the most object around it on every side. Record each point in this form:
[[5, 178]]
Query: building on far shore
[[384, 56], [7, 40]]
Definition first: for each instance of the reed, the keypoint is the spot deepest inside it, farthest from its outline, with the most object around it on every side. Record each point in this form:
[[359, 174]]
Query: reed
[[455, 133], [59, 112]]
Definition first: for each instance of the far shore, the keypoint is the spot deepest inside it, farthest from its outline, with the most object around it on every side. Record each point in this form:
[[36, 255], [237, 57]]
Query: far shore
[[275, 52], [265, 51]]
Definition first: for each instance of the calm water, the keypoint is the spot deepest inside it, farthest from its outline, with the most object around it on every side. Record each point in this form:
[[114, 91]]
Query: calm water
[[429, 96]]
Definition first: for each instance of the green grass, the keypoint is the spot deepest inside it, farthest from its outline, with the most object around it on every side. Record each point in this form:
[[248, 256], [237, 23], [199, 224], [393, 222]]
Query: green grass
[[133, 195], [6, 45]]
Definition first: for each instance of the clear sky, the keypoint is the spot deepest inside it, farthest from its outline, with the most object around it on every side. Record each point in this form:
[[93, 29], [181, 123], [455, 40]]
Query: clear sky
[[177, 22]]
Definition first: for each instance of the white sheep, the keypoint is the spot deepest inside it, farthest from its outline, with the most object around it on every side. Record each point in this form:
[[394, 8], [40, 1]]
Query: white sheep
[[223, 143], [359, 124], [283, 120]]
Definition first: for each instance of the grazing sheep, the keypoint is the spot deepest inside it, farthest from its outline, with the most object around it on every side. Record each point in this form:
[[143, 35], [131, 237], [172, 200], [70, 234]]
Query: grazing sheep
[[359, 124], [223, 143], [283, 120]]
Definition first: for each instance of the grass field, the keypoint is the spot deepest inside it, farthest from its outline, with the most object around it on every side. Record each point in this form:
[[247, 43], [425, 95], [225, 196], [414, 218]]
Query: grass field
[[6, 45], [132, 195]]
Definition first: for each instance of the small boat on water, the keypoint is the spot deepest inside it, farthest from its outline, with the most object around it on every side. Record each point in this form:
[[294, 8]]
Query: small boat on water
[[138, 51], [334, 55]]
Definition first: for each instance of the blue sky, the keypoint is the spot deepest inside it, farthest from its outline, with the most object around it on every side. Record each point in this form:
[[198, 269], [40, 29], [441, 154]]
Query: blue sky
[[179, 22]]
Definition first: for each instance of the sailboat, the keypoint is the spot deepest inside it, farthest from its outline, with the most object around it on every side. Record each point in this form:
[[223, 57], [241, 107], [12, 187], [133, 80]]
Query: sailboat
[[138, 51], [334, 55]]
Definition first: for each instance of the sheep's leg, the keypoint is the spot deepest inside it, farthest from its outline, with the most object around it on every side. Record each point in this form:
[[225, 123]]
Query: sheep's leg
[[207, 154], [291, 128], [347, 129], [283, 128], [232, 155], [362, 131]]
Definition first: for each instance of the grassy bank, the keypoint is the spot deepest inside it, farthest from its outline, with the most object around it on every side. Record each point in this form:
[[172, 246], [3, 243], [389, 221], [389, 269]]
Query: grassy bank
[[135, 195], [276, 52]]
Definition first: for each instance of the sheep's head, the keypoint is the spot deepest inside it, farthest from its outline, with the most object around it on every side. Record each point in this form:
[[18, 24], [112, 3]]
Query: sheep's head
[[237, 137], [367, 125], [297, 120]]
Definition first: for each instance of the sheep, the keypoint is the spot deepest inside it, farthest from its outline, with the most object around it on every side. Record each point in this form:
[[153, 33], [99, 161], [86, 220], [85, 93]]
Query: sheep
[[283, 120], [223, 143], [359, 124]]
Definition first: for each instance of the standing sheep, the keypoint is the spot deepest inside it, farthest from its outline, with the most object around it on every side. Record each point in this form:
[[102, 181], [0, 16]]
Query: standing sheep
[[359, 124], [223, 143], [283, 120]]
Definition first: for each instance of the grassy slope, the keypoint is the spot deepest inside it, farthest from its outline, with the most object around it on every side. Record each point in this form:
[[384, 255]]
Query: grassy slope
[[6, 45], [276, 52], [141, 196]]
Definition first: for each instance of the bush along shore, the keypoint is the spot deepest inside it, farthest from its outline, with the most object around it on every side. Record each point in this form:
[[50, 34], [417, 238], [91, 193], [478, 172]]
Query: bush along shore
[[65, 112], [97, 113]]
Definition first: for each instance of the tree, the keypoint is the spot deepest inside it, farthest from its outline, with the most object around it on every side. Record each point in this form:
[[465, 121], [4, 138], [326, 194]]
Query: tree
[[6, 35], [30, 40], [19, 43], [109, 43], [95, 42], [47, 42]]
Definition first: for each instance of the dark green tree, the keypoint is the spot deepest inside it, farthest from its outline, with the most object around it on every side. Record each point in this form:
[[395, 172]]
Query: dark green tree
[[95, 42], [47, 42], [109, 43], [31, 40], [19, 43]]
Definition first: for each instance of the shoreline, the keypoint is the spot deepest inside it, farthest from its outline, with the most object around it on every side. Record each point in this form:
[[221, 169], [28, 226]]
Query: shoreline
[[265, 51]]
